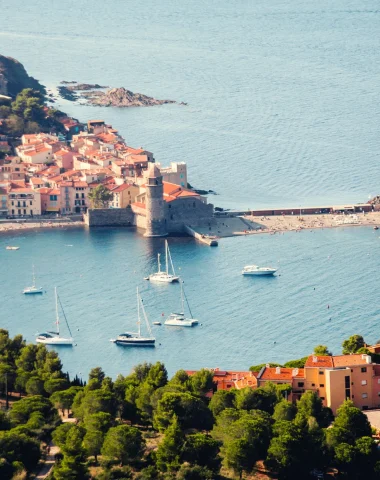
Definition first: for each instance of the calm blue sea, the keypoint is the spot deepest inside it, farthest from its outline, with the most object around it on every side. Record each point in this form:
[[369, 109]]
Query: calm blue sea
[[241, 318], [283, 111]]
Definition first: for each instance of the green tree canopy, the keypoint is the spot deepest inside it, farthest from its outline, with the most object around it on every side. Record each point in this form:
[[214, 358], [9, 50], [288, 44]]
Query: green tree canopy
[[169, 451], [322, 350], [353, 344], [100, 196], [123, 443]]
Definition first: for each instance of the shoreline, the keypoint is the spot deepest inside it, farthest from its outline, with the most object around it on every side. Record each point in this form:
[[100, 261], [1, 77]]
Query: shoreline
[[13, 227], [237, 226]]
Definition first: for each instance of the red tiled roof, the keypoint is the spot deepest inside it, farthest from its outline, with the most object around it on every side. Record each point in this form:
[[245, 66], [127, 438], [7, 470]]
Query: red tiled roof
[[335, 361], [319, 361], [270, 373]]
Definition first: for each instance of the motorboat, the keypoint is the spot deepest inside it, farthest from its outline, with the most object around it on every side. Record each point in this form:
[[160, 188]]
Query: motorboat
[[33, 289], [164, 276], [157, 323], [9, 247], [55, 338], [179, 319], [136, 339], [256, 270]]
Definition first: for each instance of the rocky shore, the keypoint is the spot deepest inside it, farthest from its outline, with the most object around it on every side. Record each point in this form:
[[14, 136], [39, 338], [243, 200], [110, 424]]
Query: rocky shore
[[95, 94]]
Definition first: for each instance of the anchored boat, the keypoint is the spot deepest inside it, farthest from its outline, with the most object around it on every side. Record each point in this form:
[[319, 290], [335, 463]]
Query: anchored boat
[[136, 339], [255, 270], [55, 338], [33, 289], [179, 319], [164, 276]]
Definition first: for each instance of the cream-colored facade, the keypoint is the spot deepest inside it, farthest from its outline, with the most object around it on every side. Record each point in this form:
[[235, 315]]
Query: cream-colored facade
[[24, 201]]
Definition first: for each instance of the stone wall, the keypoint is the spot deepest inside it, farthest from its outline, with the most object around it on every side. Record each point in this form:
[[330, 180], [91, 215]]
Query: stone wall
[[187, 211], [109, 217]]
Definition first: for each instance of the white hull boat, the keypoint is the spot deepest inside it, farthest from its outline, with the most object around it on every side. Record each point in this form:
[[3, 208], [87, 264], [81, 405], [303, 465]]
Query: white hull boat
[[164, 276], [258, 271], [33, 289], [179, 319], [136, 339], [52, 338], [55, 338], [12, 248]]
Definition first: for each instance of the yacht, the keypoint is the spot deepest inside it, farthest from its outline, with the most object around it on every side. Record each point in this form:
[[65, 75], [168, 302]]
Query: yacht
[[33, 289], [136, 339], [55, 338], [9, 247], [255, 270], [164, 276], [179, 319]]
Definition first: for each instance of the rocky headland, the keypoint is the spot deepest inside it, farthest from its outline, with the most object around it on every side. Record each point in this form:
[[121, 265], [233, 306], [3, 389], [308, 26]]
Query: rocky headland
[[95, 94], [14, 78]]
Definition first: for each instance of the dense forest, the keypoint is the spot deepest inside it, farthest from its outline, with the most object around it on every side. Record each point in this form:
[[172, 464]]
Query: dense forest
[[146, 426]]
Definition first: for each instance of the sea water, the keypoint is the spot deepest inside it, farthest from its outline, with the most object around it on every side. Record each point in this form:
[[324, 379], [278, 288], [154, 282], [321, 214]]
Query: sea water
[[324, 291]]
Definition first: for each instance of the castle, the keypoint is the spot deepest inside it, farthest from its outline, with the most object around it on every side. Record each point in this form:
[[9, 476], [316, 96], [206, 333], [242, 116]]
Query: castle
[[161, 208]]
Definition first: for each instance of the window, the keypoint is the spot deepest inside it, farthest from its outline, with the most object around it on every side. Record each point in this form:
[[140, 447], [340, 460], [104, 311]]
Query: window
[[313, 384], [364, 382], [14, 203], [364, 369], [31, 203], [24, 211], [82, 195], [24, 203], [53, 198], [322, 398], [364, 395], [300, 384], [347, 381], [320, 372], [77, 195], [322, 385]]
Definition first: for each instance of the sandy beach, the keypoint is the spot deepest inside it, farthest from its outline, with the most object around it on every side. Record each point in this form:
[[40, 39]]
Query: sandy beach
[[15, 226], [252, 225]]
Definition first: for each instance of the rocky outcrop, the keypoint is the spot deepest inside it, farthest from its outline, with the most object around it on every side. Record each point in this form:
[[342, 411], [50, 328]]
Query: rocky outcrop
[[13, 78], [120, 97], [115, 97]]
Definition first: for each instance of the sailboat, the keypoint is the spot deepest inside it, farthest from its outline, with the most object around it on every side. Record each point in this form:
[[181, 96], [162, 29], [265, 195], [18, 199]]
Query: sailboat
[[179, 319], [54, 338], [136, 339], [33, 289], [164, 277]]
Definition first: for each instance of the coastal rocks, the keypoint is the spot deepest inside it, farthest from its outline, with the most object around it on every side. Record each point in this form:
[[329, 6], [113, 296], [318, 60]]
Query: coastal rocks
[[94, 94], [14, 78], [121, 97]]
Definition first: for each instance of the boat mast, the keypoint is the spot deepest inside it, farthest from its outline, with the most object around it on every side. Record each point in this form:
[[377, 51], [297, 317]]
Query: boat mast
[[159, 264], [182, 301], [187, 302], [56, 310], [64, 316], [138, 313], [171, 261], [34, 278], [166, 257], [146, 319]]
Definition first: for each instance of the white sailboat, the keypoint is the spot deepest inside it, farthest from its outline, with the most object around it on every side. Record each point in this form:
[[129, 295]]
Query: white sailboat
[[54, 338], [136, 339], [164, 276], [179, 319], [33, 289]]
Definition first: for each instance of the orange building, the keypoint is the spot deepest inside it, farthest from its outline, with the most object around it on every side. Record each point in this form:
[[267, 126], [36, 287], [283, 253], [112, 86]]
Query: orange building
[[295, 377], [342, 377]]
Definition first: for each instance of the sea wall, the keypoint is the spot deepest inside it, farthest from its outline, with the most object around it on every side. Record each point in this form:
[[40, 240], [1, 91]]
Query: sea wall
[[109, 217]]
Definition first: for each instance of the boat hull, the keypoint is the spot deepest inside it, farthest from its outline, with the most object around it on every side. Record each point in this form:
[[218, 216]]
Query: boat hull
[[163, 278], [135, 343], [32, 292], [56, 342], [259, 273]]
